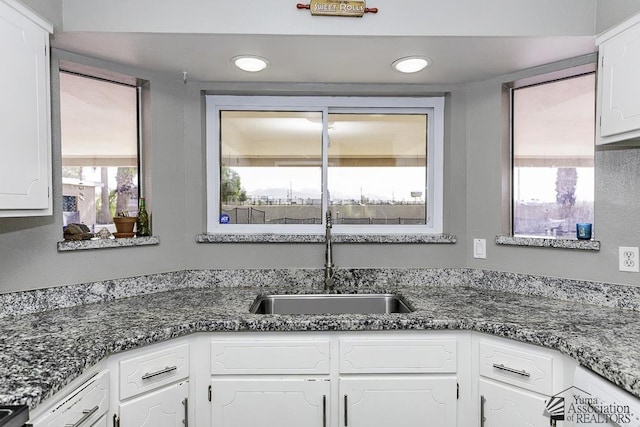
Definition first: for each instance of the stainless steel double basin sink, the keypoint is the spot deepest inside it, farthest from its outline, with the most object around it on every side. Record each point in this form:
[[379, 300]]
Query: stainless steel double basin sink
[[331, 304]]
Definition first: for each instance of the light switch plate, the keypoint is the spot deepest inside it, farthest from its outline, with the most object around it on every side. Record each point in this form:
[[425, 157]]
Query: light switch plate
[[480, 248]]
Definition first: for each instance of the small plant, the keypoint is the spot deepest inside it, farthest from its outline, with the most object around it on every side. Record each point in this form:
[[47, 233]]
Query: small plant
[[122, 214]]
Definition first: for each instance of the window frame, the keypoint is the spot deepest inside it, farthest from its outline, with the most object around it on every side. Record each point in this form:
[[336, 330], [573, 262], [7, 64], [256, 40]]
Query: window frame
[[541, 79], [136, 84], [433, 107]]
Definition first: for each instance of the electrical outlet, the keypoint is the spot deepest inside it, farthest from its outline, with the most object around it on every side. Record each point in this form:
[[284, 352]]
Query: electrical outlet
[[628, 259]]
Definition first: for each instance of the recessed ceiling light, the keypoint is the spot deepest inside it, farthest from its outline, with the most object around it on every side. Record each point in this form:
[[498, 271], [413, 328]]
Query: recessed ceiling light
[[250, 63], [410, 64]]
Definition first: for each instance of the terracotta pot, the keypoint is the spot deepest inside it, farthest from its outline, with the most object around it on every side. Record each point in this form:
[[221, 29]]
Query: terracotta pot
[[124, 226]]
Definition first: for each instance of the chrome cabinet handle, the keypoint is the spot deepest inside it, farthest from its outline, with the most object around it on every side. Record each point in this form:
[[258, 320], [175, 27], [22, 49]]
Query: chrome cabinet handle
[[87, 413], [346, 423], [513, 371], [482, 417], [185, 402], [324, 410], [166, 370]]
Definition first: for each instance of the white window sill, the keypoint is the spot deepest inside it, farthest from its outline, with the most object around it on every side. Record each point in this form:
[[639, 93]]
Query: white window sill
[[320, 238], [548, 242], [81, 245]]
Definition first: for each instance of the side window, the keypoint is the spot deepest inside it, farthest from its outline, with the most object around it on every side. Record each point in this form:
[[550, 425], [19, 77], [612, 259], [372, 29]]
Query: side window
[[100, 149], [553, 156]]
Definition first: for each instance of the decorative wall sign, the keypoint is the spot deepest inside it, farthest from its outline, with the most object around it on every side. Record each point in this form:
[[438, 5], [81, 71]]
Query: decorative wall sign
[[351, 8]]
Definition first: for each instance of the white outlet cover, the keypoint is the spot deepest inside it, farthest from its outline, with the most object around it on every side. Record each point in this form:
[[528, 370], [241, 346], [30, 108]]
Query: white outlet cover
[[480, 248], [628, 259]]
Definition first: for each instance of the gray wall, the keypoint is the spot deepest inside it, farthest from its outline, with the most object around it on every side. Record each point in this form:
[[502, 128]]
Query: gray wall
[[612, 12], [311, 255], [51, 10], [28, 254], [617, 205], [474, 198]]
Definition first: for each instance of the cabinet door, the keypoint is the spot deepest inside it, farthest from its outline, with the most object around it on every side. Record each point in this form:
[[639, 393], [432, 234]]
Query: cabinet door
[[166, 407], [270, 403], [25, 176], [507, 406], [398, 401], [102, 422], [83, 406], [619, 84]]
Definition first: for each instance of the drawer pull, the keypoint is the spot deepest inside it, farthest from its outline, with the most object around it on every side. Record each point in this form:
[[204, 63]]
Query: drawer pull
[[185, 402], [346, 405], [513, 371], [324, 410], [87, 413], [160, 372]]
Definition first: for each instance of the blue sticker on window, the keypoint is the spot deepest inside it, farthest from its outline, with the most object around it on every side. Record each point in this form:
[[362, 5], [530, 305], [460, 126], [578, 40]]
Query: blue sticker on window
[[224, 219]]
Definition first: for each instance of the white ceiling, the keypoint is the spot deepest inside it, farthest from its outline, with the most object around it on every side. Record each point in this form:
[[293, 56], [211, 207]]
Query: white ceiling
[[325, 59], [466, 40]]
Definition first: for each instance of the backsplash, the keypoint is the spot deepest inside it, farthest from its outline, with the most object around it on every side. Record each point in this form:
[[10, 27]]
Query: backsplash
[[290, 280]]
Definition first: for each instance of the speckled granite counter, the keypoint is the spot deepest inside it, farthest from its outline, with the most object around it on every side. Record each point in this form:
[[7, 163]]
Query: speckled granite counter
[[43, 351]]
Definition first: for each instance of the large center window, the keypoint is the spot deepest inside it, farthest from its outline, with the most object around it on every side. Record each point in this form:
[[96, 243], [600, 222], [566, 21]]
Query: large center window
[[277, 165]]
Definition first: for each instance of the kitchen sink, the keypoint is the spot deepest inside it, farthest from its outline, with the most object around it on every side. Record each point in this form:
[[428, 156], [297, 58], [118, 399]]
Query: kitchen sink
[[331, 304]]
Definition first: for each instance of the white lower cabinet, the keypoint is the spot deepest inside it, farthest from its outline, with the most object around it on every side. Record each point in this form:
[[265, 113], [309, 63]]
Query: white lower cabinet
[[165, 407], [83, 406], [517, 380], [502, 405], [398, 402], [281, 402], [345, 379], [102, 422], [318, 379], [153, 386]]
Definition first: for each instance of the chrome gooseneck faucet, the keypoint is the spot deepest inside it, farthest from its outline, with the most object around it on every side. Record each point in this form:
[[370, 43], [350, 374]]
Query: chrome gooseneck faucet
[[329, 268]]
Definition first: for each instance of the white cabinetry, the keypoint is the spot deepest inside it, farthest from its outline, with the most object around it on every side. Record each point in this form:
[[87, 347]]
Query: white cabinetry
[[597, 401], [164, 407], [25, 125], [619, 83], [320, 379], [516, 381], [503, 405], [270, 381], [398, 381], [84, 406], [342, 379], [154, 387], [398, 401], [281, 402]]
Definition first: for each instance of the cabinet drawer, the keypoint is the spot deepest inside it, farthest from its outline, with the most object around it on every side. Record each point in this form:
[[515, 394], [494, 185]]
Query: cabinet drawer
[[149, 371], [530, 370], [398, 356], [270, 357], [85, 406]]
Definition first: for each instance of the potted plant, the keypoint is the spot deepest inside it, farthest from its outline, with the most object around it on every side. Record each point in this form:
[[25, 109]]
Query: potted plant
[[124, 225]]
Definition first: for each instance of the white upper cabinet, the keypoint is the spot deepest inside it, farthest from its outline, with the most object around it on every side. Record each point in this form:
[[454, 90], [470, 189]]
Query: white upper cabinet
[[25, 124], [619, 83]]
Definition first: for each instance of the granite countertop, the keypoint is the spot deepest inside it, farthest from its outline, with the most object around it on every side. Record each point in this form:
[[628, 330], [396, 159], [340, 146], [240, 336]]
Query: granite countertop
[[42, 352]]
